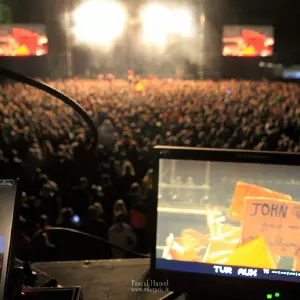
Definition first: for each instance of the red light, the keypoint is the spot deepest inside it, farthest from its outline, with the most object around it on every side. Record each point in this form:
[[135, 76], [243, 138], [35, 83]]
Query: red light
[[130, 73]]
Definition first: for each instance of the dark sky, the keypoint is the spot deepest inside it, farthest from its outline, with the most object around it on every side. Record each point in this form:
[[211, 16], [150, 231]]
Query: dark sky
[[234, 9], [255, 11]]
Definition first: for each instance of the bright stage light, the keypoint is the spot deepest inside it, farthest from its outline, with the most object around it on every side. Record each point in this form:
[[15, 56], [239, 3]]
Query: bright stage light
[[155, 19], [181, 22], [99, 22], [159, 22]]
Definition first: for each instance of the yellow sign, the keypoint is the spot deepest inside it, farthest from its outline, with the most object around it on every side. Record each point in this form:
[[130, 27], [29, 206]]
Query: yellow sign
[[278, 221], [244, 190], [22, 50], [254, 254], [139, 87]]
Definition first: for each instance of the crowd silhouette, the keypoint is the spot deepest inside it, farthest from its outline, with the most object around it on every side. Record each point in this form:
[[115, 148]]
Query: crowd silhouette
[[43, 141]]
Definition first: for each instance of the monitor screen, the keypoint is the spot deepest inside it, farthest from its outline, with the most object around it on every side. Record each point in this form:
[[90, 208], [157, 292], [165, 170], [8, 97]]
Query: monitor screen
[[23, 40], [230, 219], [248, 41]]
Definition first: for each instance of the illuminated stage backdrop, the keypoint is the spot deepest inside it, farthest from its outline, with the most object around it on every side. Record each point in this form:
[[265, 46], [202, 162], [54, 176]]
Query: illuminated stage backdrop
[[23, 40], [248, 41]]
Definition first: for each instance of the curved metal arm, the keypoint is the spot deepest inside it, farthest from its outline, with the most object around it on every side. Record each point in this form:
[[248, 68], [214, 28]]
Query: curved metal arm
[[139, 255]]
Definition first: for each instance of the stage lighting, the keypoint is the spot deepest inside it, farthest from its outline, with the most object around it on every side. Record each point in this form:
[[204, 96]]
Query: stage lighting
[[181, 23], [99, 22], [155, 21], [159, 22]]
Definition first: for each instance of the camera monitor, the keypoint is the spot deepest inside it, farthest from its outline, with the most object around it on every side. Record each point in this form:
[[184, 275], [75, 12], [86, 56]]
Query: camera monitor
[[227, 218], [8, 218]]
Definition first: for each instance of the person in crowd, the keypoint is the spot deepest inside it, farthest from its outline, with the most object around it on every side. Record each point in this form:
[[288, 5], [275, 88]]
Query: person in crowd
[[120, 234], [4, 165], [44, 142], [94, 222], [97, 194], [147, 183], [43, 224], [66, 219], [41, 241], [135, 194], [81, 197], [30, 211], [50, 202], [120, 209], [25, 249], [128, 176]]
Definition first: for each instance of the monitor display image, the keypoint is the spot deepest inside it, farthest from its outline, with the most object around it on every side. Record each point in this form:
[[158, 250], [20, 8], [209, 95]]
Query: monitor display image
[[23, 40], [248, 41], [232, 219]]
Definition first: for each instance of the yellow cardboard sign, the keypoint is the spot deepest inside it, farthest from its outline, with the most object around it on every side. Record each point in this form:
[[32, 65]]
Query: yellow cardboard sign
[[254, 254], [278, 221], [244, 190]]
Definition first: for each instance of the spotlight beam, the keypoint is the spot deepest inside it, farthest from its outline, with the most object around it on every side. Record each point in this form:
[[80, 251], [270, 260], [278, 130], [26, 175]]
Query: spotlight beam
[[99, 22], [159, 22]]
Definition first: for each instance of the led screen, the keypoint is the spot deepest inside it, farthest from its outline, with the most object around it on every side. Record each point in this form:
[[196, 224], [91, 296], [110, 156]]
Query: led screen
[[23, 40], [248, 41]]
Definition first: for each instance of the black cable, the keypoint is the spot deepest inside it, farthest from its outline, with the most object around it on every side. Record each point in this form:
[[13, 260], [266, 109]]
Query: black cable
[[129, 252], [59, 95]]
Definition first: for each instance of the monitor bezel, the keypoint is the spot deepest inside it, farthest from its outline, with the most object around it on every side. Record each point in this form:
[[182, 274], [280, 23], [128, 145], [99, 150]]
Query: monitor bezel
[[8, 284], [76, 290], [214, 284]]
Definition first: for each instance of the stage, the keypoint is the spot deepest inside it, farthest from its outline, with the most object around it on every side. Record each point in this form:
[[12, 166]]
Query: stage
[[106, 279]]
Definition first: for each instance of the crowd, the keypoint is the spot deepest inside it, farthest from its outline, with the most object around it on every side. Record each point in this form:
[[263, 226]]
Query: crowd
[[106, 194]]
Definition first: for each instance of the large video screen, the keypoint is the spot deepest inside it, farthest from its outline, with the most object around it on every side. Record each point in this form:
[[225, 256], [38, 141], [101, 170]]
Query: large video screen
[[248, 41], [23, 40], [231, 219]]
